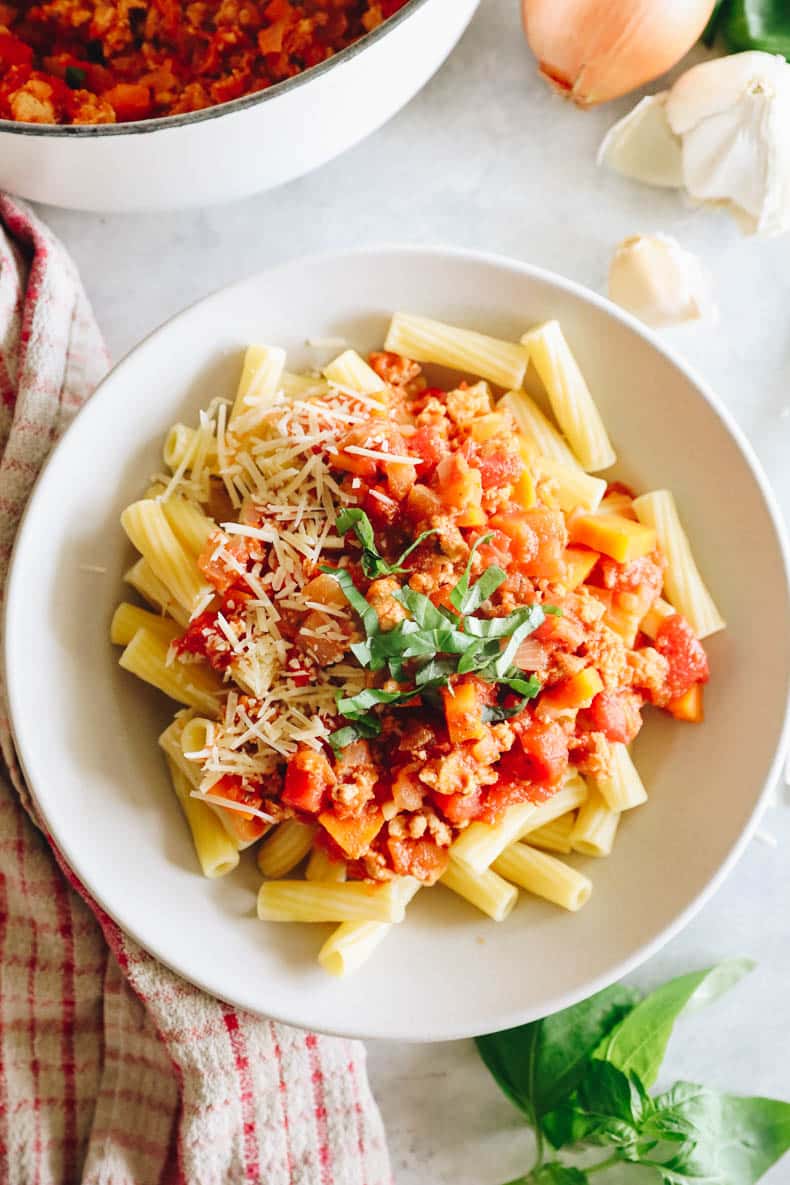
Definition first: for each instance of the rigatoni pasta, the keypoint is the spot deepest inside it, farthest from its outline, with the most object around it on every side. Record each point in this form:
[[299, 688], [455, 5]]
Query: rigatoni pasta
[[412, 636]]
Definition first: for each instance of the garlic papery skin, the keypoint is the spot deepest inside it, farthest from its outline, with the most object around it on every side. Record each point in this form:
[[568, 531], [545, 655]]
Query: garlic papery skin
[[729, 119], [644, 147], [663, 285]]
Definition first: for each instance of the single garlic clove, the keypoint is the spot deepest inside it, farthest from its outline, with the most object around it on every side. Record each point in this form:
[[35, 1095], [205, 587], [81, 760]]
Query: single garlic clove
[[736, 140], [654, 278], [642, 145], [713, 87]]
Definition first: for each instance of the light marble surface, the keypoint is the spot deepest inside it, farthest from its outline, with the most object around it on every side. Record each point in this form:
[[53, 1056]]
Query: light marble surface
[[485, 157]]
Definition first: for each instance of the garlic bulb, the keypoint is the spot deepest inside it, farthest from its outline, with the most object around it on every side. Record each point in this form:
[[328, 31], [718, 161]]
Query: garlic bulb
[[655, 279], [722, 133]]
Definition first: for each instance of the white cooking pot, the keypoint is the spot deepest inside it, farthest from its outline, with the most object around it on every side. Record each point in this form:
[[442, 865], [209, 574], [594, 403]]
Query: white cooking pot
[[242, 147]]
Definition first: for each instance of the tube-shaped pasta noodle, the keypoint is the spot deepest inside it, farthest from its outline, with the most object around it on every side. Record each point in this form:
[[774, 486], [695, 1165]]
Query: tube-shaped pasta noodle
[[286, 847], [259, 383], [351, 371], [190, 525], [485, 890], [196, 734], [151, 589], [622, 788], [684, 586], [569, 395], [181, 444], [148, 529], [659, 611], [321, 868], [573, 488], [542, 437], [501, 362], [352, 944], [128, 619], [595, 828], [554, 836], [479, 845], [545, 876], [170, 743], [314, 901], [188, 683], [302, 386], [215, 849]]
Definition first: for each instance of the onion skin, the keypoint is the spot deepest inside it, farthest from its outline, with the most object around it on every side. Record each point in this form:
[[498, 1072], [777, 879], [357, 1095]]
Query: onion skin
[[595, 50]]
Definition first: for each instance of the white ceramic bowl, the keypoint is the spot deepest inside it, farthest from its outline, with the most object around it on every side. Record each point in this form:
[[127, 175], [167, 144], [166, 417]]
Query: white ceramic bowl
[[86, 730], [238, 148]]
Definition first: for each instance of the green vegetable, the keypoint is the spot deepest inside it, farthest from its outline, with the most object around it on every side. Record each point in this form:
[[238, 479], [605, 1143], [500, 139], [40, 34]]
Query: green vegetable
[[74, 77], [752, 24], [373, 564], [538, 1065], [702, 1135], [440, 642], [640, 1041], [581, 1077]]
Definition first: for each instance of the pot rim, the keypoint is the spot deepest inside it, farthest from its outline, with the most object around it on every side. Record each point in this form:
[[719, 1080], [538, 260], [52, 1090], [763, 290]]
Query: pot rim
[[258, 98]]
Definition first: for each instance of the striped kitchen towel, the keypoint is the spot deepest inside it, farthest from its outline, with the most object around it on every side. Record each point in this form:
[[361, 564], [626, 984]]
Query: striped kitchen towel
[[113, 1071]]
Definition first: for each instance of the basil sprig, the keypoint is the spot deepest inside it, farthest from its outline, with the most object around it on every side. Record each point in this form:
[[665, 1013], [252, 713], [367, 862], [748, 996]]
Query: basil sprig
[[437, 642], [351, 518], [581, 1077], [751, 24]]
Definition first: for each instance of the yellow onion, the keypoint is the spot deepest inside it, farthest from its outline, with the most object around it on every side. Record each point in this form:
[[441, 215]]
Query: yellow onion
[[596, 50]]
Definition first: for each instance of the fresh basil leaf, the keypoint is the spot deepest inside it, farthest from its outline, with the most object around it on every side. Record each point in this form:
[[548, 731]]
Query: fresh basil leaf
[[404, 555], [421, 608], [607, 1108], [720, 979], [757, 24], [461, 590], [698, 1135], [712, 27], [529, 688], [494, 714], [482, 589], [554, 1173], [522, 631], [540, 1064], [477, 655], [354, 705], [351, 517], [639, 1042], [436, 671], [352, 732], [370, 618]]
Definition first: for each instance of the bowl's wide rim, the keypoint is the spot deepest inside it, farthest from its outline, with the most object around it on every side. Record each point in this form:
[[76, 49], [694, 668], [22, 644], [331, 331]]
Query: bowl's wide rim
[[256, 99], [15, 594]]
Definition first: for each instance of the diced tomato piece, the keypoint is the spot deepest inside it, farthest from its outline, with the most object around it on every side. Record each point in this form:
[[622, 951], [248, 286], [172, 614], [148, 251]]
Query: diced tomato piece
[[524, 543], [457, 808], [497, 466], [14, 52], [381, 508], [129, 100], [688, 662], [458, 484], [420, 858], [245, 827], [549, 527], [614, 713], [308, 778], [218, 572], [544, 751], [429, 445]]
